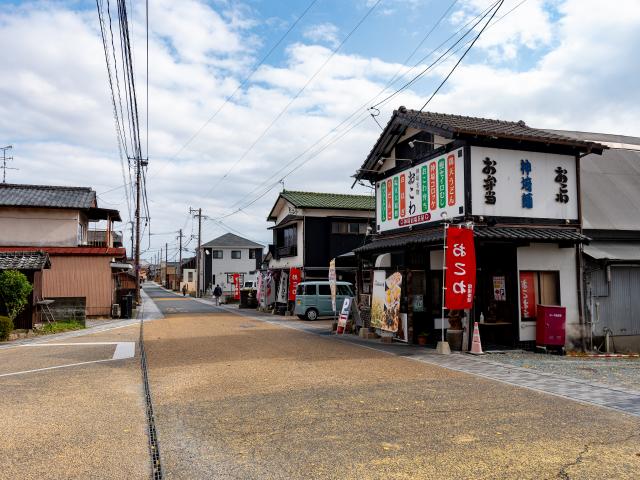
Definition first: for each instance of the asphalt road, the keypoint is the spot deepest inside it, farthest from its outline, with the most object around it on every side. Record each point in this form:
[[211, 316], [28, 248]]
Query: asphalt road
[[236, 398], [171, 303]]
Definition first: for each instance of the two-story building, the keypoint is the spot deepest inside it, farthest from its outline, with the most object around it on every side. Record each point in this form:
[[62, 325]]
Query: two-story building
[[517, 186], [225, 256], [312, 228], [62, 221]]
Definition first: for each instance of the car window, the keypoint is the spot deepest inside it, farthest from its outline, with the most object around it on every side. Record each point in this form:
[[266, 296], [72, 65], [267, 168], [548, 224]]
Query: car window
[[306, 289], [344, 290], [324, 290]]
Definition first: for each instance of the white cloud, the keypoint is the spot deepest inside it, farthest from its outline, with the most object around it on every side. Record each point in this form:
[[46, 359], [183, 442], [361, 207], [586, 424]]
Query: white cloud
[[324, 33]]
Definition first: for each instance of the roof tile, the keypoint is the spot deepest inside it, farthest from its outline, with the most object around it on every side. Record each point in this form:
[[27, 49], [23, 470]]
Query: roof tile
[[13, 195]]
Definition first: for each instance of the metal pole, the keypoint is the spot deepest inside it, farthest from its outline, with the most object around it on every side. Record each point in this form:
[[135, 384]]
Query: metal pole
[[180, 261], [444, 267], [166, 265], [198, 256]]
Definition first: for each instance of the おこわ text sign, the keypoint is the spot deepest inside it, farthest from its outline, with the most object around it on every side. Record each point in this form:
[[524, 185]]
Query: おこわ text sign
[[460, 274]]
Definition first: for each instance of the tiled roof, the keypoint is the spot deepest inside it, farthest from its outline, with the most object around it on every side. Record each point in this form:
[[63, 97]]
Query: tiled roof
[[117, 252], [329, 200], [231, 240], [489, 127], [12, 195], [432, 237], [24, 260]]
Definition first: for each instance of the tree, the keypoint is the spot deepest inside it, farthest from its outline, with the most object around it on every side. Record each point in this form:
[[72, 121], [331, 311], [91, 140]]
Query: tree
[[14, 292]]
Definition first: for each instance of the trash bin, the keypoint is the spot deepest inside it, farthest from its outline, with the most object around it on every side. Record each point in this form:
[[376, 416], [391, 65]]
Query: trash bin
[[126, 306]]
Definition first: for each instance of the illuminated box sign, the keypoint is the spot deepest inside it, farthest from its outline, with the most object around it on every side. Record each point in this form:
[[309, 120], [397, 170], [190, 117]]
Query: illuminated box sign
[[420, 194], [515, 183]]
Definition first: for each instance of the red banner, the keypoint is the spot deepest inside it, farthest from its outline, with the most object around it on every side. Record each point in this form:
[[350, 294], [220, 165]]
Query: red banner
[[460, 276], [527, 295], [236, 286], [294, 280]]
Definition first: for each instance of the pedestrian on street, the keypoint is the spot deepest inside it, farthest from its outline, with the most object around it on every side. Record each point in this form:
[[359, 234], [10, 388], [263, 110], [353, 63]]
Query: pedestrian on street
[[184, 290], [217, 292]]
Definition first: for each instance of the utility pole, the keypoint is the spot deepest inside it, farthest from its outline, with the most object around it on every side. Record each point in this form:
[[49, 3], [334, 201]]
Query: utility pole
[[179, 271], [198, 269], [166, 265], [4, 162], [160, 264]]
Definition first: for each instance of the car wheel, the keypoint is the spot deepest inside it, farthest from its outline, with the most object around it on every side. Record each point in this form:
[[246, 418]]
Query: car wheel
[[312, 314]]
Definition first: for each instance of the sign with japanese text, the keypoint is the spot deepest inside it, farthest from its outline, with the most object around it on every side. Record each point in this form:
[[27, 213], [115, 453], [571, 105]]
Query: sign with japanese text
[[378, 298], [283, 289], [236, 286], [332, 283], [420, 194], [527, 296], [515, 183], [294, 279], [344, 315], [460, 274], [499, 291]]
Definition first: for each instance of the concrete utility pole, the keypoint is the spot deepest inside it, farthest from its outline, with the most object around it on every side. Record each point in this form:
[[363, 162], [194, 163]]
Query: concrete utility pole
[[180, 259], [166, 264], [198, 269], [4, 162]]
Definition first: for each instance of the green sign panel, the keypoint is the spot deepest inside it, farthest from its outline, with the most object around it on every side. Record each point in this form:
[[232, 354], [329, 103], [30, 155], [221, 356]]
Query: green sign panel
[[442, 184], [383, 201], [424, 185], [396, 197]]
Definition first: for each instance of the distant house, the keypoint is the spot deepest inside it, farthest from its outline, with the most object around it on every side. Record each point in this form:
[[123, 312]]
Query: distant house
[[63, 222], [312, 228], [228, 254], [188, 271]]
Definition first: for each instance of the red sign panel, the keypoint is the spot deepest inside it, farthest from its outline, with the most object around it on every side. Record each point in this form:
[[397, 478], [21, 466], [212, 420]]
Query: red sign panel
[[451, 179], [294, 280], [460, 276], [527, 295], [403, 196], [389, 199], [432, 186], [236, 286]]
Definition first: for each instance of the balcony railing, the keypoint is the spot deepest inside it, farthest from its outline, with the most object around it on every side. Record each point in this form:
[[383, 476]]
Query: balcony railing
[[288, 251]]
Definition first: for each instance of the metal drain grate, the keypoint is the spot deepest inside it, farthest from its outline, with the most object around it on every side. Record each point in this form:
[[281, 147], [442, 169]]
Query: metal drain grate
[[154, 447]]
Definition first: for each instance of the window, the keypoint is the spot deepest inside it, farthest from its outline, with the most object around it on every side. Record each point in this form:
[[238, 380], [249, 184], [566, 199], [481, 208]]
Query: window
[[306, 289], [190, 277], [344, 290], [216, 254], [324, 290], [538, 288], [351, 228], [290, 236], [236, 254], [252, 254]]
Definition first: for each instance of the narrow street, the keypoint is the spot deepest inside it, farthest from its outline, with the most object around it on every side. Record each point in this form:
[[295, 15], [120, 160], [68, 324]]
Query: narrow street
[[236, 397]]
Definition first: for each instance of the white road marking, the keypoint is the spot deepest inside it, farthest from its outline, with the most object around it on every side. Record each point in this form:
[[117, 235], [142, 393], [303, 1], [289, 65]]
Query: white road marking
[[122, 351]]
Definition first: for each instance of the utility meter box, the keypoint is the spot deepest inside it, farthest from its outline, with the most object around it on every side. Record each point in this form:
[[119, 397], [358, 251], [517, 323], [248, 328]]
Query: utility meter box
[[550, 325]]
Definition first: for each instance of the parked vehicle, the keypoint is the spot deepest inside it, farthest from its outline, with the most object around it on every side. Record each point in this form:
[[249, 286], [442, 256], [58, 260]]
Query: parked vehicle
[[313, 298]]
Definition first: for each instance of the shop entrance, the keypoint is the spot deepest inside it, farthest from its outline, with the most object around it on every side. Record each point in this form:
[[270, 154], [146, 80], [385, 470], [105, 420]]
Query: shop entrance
[[497, 295]]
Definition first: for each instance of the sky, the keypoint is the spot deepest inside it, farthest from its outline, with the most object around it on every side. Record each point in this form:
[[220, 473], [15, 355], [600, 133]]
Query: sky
[[565, 64]]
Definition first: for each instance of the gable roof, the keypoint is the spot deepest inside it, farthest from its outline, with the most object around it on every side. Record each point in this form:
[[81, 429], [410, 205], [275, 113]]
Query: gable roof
[[232, 240], [459, 126], [46, 196], [332, 201], [34, 260]]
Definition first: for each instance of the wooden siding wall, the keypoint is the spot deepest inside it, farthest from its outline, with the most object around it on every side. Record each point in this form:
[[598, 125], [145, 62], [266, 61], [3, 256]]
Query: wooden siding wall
[[81, 276]]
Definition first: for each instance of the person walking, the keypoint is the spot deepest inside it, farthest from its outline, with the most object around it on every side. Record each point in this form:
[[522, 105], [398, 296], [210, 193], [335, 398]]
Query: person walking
[[217, 293], [184, 290]]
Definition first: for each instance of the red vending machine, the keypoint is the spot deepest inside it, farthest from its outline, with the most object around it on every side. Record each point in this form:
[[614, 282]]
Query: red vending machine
[[550, 325]]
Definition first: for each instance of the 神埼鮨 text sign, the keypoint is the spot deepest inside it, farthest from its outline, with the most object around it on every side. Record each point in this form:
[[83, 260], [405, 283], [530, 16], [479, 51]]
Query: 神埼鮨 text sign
[[420, 194]]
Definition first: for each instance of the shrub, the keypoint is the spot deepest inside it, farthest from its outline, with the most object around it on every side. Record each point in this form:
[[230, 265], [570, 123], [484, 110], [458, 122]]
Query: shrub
[[14, 292], [6, 327]]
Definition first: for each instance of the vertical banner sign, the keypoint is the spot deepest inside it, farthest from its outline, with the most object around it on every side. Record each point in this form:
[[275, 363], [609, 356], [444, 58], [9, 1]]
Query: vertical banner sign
[[460, 274], [378, 298], [259, 287], [403, 196], [391, 321], [432, 186], [344, 315], [442, 188], [236, 286], [294, 280], [424, 183], [451, 179], [332, 283], [383, 201], [389, 200], [396, 197], [283, 291], [527, 295]]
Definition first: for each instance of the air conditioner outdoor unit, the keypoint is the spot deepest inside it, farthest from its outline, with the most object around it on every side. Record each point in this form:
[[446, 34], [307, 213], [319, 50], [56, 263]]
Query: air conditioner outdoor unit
[[115, 310]]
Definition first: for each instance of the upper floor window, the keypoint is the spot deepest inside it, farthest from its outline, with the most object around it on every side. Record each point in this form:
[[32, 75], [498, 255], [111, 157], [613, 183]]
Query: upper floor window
[[216, 254], [349, 228], [290, 236], [236, 254], [252, 253]]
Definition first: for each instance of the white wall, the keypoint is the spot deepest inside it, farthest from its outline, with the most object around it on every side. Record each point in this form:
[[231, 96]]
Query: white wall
[[549, 257], [296, 261], [221, 267]]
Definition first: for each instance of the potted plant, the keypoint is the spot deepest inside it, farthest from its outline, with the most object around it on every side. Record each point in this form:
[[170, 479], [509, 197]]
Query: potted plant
[[422, 338], [454, 332]]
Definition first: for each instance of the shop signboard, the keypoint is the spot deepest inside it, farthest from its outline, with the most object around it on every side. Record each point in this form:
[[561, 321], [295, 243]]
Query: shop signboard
[[294, 280], [236, 286], [515, 183], [259, 284], [499, 291], [422, 193], [344, 315], [378, 298], [460, 276], [332, 283], [283, 289], [527, 296], [270, 289]]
